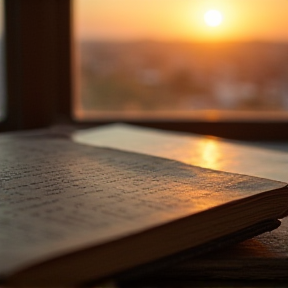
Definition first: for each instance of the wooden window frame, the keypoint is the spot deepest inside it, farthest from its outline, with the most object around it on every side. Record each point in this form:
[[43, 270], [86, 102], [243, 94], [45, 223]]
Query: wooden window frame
[[38, 63], [39, 79]]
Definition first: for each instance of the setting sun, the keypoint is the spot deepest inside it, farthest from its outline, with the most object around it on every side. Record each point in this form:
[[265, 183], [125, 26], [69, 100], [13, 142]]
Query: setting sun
[[213, 18]]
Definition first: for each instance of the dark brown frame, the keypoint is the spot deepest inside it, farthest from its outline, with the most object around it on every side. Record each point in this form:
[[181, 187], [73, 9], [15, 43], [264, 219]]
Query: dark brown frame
[[39, 54]]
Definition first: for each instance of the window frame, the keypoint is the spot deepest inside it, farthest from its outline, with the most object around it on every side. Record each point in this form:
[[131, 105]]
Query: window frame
[[38, 63], [40, 79]]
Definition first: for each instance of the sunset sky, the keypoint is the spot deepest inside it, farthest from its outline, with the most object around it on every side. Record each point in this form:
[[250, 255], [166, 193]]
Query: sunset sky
[[181, 20]]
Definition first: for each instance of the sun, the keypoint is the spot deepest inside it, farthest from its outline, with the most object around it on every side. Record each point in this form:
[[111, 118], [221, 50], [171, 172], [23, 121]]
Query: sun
[[213, 18]]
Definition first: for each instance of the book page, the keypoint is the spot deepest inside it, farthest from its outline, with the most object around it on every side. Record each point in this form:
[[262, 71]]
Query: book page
[[57, 195]]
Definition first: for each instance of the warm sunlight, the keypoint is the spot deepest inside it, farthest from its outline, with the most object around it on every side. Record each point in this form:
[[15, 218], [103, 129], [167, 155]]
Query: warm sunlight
[[126, 20], [208, 154], [159, 59], [213, 18]]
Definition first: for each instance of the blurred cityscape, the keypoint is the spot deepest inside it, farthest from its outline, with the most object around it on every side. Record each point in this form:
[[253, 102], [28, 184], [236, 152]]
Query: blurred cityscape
[[150, 75]]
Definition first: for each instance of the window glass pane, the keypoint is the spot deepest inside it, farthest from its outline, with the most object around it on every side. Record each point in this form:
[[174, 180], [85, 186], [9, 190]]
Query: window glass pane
[[2, 76], [155, 56]]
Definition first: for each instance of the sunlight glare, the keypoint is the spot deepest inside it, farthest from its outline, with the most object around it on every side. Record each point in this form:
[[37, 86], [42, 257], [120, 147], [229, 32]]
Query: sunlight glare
[[213, 18], [210, 154]]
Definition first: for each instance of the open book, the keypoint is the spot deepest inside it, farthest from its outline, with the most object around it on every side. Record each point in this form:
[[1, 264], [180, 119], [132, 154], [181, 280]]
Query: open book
[[73, 213]]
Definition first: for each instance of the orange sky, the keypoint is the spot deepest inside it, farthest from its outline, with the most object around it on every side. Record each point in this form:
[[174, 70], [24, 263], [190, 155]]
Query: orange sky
[[181, 20]]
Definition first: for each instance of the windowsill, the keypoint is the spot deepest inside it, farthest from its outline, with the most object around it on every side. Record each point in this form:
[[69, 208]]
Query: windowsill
[[176, 116]]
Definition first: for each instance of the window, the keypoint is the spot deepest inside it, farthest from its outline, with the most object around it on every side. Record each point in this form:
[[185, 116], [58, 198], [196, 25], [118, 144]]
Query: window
[[40, 79], [173, 59]]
